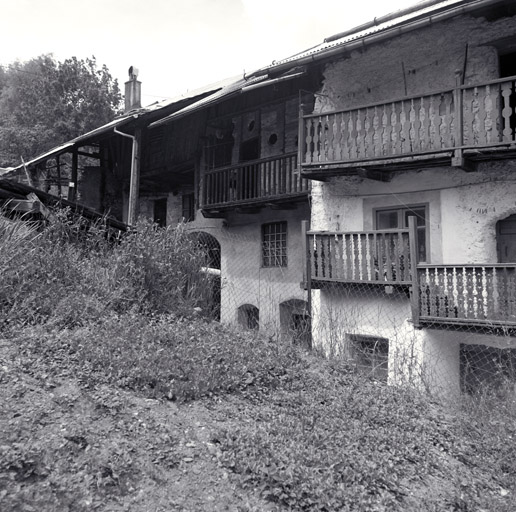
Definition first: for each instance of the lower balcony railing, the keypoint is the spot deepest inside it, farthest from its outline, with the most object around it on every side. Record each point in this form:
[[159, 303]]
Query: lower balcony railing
[[360, 257], [478, 294], [256, 181], [482, 295]]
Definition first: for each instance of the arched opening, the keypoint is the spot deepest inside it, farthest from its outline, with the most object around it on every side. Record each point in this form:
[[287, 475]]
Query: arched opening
[[249, 317], [211, 248], [506, 239], [295, 322]]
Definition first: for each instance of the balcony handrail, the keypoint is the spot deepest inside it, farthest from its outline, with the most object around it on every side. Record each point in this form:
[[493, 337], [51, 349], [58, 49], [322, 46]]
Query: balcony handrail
[[249, 163], [370, 232], [423, 266], [409, 98]]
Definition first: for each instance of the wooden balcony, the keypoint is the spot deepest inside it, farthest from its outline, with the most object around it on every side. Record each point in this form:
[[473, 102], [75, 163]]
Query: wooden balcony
[[452, 127], [367, 257], [468, 296], [273, 181]]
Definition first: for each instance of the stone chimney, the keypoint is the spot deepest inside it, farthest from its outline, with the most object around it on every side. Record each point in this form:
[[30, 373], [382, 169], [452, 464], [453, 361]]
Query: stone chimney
[[133, 91]]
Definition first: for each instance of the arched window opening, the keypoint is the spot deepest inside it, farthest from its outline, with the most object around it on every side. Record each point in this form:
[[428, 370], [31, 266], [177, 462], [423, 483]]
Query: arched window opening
[[249, 317]]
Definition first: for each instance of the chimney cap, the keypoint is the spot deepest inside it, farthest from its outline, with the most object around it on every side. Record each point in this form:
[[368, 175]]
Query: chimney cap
[[133, 73]]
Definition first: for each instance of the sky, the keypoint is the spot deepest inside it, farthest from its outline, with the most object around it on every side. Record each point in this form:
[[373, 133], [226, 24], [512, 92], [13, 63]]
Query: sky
[[177, 45]]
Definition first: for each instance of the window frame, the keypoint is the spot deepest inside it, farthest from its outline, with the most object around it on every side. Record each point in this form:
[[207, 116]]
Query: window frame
[[400, 210], [271, 260]]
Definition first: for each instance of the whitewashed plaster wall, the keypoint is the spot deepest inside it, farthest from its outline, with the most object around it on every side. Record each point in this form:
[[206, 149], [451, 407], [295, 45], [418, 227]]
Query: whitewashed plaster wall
[[417, 62]]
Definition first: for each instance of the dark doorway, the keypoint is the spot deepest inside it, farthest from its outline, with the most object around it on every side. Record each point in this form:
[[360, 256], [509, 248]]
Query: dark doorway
[[160, 212]]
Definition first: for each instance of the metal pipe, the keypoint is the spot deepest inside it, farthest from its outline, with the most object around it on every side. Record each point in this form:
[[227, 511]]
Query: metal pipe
[[134, 181]]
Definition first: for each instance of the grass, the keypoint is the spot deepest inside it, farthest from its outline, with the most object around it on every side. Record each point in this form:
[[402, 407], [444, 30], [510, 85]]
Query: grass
[[120, 392]]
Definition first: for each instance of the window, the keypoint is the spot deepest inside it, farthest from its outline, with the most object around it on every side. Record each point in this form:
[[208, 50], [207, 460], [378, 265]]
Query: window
[[188, 207], [249, 317], [397, 218], [371, 353], [274, 244]]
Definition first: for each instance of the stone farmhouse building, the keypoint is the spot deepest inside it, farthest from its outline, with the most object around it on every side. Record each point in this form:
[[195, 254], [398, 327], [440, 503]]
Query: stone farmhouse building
[[359, 197]]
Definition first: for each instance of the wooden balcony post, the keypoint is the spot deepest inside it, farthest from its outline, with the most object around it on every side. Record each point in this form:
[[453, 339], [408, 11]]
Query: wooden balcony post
[[414, 292], [300, 139], [458, 159]]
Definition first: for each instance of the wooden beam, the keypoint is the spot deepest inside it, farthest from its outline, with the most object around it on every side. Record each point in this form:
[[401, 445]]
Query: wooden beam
[[72, 185], [374, 174], [464, 163]]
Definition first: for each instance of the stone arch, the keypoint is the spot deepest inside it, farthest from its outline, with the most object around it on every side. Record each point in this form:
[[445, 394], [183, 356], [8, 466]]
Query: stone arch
[[295, 322], [211, 247], [248, 316]]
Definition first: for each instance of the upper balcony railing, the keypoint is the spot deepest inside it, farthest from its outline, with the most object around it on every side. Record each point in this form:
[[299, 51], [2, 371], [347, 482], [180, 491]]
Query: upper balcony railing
[[253, 182], [446, 122]]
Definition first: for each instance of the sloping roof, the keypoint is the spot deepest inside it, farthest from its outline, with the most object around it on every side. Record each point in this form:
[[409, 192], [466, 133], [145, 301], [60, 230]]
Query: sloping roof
[[120, 121], [14, 190], [428, 11]]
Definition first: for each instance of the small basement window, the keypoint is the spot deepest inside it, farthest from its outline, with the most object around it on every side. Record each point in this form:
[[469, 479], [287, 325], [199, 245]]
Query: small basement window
[[249, 317], [371, 354]]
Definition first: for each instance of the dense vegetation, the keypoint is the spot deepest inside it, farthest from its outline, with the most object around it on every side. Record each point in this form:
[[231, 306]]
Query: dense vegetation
[[44, 102], [119, 392]]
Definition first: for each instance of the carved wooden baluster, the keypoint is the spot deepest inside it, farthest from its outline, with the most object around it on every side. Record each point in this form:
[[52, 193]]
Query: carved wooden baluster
[[478, 279], [405, 128], [348, 256], [363, 257], [448, 292], [433, 122], [331, 256], [506, 89], [431, 294], [482, 136], [395, 129], [344, 135], [386, 131], [489, 293], [372, 257], [449, 121], [490, 107], [339, 260], [377, 258], [461, 299], [425, 293], [314, 256], [511, 294], [309, 142], [468, 288], [327, 139], [376, 133], [360, 128], [336, 137], [424, 131], [387, 270], [414, 127], [440, 300]]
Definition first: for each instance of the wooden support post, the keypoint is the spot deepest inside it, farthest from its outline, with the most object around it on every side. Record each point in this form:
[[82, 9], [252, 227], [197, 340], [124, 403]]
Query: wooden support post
[[72, 185], [307, 277], [58, 171], [458, 159], [414, 293], [300, 139]]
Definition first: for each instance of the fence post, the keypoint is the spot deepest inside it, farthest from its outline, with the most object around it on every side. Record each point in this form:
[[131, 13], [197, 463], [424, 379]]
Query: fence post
[[414, 292]]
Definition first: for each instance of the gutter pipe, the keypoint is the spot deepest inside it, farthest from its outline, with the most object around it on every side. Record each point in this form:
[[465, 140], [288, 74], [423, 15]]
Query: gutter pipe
[[135, 176]]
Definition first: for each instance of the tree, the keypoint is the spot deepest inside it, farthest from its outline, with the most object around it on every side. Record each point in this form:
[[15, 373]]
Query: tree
[[44, 103]]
